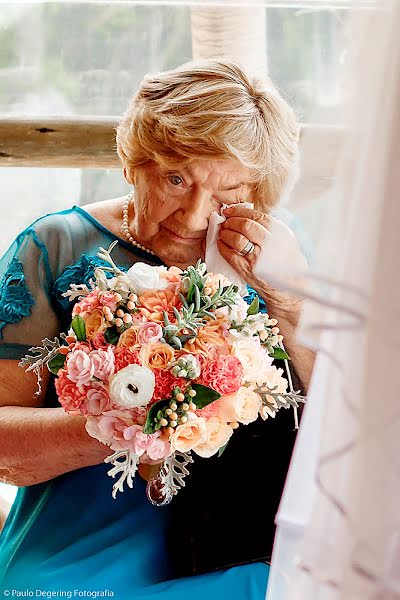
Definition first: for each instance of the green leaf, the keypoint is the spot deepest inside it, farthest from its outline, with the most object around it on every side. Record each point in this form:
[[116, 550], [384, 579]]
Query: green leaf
[[112, 335], [56, 363], [222, 449], [79, 327], [151, 422], [254, 306], [204, 395], [279, 354]]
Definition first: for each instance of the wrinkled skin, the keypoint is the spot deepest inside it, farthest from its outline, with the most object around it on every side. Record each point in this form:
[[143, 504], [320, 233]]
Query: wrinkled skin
[[172, 210]]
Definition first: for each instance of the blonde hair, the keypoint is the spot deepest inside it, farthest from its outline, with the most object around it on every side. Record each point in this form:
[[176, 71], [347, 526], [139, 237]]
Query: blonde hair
[[211, 108]]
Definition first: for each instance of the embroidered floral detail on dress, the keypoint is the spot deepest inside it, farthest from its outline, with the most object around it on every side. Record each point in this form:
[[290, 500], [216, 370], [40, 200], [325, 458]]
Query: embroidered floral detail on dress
[[250, 297], [80, 272], [16, 300]]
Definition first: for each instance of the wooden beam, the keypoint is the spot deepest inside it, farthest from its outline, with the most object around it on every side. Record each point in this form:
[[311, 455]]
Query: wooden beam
[[58, 142]]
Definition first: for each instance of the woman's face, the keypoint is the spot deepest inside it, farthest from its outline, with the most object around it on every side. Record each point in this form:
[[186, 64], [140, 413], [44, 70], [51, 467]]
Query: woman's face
[[173, 206]]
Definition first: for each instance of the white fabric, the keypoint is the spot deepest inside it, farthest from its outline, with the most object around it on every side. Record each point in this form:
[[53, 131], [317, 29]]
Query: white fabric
[[339, 521], [279, 254]]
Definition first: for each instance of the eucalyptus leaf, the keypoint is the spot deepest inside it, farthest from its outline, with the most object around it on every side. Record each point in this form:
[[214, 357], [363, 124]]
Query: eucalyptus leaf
[[204, 395], [56, 363], [254, 306], [222, 449], [79, 327], [151, 422], [279, 354]]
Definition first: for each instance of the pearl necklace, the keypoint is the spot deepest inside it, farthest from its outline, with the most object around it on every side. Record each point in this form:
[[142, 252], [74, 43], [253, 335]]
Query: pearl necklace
[[125, 226]]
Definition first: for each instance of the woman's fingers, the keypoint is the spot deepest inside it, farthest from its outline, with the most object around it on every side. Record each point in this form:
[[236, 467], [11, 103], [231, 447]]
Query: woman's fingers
[[252, 230]]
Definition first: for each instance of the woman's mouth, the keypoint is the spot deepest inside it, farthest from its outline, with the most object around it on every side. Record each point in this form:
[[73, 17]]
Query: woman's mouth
[[190, 241]]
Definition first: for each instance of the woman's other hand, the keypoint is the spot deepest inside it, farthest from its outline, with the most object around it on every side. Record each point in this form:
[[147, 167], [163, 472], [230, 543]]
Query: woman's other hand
[[242, 225]]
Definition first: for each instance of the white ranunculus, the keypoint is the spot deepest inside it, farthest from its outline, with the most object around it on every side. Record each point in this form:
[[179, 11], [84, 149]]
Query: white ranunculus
[[143, 277], [132, 386]]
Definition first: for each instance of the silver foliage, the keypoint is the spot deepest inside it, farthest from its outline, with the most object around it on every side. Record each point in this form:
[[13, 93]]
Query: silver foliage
[[173, 472], [77, 290], [125, 469], [39, 356]]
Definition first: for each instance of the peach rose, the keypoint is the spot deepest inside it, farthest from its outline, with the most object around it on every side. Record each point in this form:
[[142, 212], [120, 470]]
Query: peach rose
[[95, 323], [218, 434], [242, 406], [129, 338], [156, 355], [189, 435]]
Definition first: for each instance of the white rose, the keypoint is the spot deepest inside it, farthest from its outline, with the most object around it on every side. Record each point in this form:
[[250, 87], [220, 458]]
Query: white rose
[[218, 434], [254, 358], [243, 406], [272, 378], [132, 386], [143, 277]]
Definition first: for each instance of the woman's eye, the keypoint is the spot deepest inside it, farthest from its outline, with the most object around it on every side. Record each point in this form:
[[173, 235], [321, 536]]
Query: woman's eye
[[175, 179]]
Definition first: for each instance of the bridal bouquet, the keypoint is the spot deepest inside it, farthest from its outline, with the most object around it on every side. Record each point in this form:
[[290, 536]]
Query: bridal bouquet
[[163, 362]]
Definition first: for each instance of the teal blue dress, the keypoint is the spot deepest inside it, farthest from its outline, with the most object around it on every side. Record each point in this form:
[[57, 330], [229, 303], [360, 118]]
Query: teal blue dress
[[67, 537]]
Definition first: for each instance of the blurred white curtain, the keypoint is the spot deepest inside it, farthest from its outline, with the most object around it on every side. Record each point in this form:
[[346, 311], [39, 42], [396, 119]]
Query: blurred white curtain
[[339, 521]]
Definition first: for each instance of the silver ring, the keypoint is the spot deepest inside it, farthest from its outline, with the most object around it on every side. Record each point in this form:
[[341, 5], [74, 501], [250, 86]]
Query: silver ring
[[248, 249]]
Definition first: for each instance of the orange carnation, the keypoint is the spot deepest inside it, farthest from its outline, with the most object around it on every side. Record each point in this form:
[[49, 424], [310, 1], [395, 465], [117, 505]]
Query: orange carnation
[[154, 302]]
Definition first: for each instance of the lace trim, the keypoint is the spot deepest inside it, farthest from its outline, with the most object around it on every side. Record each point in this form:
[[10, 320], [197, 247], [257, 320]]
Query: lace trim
[[16, 301]]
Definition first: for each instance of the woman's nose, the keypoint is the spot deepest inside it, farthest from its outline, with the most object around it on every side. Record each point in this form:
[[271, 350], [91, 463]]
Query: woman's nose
[[196, 209]]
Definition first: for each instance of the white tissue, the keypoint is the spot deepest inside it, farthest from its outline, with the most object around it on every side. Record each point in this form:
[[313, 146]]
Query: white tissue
[[280, 254]]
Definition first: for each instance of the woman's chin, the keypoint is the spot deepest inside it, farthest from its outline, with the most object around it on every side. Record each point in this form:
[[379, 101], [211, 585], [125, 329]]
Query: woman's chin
[[177, 255]]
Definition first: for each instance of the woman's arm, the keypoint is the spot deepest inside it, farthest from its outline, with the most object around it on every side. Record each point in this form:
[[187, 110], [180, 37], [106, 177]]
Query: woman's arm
[[287, 309], [37, 443]]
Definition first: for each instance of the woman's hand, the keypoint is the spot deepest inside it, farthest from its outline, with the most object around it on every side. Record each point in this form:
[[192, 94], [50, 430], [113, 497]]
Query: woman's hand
[[244, 228], [244, 225]]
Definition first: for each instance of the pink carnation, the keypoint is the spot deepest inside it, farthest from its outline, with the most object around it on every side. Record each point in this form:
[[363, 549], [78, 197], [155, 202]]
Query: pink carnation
[[124, 357], [87, 304], [223, 374], [165, 383], [80, 368], [211, 410], [103, 363], [69, 395], [108, 299]]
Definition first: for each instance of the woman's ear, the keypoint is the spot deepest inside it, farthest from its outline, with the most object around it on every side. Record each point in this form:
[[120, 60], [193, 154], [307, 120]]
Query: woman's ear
[[127, 178]]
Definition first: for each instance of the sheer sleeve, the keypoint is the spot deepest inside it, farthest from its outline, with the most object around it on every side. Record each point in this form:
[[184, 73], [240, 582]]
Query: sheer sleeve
[[26, 311]]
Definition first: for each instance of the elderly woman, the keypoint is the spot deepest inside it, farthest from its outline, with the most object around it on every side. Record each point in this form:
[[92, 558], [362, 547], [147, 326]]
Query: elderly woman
[[193, 139]]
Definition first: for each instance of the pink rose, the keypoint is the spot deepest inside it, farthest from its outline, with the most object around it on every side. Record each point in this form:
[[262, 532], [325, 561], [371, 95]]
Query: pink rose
[[103, 363], [109, 428], [80, 368], [99, 341], [150, 332], [152, 444], [97, 401], [223, 374]]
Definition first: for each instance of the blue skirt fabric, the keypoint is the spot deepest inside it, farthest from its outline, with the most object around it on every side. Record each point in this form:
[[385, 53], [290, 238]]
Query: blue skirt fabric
[[79, 541]]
